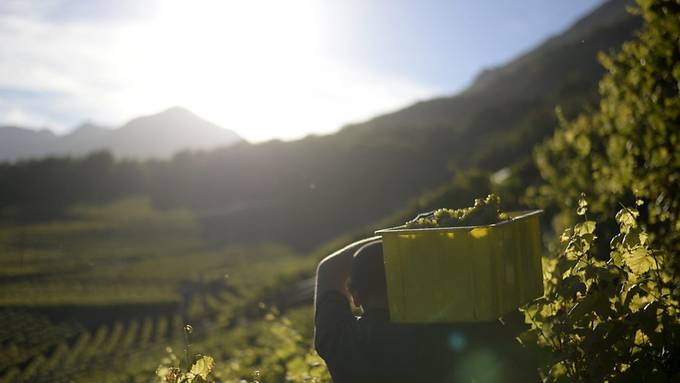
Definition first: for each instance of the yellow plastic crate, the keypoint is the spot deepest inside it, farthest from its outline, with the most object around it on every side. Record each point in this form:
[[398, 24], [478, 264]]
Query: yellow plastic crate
[[463, 274]]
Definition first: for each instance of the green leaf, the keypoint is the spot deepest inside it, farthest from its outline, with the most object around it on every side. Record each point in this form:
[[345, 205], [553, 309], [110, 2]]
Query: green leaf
[[566, 235], [633, 291], [617, 258], [582, 205], [203, 366], [627, 218], [570, 286], [635, 237], [585, 306], [639, 260], [583, 228]]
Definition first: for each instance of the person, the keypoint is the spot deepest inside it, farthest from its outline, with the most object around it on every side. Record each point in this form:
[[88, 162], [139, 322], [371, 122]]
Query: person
[[370, 348]]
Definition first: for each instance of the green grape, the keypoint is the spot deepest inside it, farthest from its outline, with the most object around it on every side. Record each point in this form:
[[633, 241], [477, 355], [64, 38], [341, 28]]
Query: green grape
[[484, 212]]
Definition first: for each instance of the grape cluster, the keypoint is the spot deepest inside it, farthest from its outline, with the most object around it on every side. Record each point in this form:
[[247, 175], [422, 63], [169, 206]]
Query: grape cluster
[[484, 212]]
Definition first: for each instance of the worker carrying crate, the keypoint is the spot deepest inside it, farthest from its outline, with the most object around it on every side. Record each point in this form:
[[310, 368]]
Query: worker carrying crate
[[431, 292]]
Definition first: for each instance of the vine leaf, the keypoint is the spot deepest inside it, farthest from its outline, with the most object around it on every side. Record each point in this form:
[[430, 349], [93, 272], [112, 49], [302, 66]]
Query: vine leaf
[[583, 228], [627, 218], [639, 260], [203, 366]]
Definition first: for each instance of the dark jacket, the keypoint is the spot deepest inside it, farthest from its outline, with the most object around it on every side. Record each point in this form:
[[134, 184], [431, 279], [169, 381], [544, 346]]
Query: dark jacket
[[372, 349]]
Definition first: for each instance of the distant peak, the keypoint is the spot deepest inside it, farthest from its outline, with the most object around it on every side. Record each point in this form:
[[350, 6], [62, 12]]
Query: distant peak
[[88, 125], [177, 110], [88, 129]]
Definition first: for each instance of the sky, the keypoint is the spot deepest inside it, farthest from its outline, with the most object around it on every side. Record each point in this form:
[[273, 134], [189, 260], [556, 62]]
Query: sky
[[264, 69]]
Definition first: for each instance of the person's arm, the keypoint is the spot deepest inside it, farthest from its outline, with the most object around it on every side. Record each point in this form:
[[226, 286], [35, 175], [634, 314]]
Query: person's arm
[[334, 270]]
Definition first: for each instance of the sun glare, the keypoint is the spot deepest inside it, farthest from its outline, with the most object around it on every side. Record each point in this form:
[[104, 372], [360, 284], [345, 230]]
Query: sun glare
[[229, 61], [263, 69]]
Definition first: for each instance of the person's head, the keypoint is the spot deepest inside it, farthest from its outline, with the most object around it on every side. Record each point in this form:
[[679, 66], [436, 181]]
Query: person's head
[[367, 279]]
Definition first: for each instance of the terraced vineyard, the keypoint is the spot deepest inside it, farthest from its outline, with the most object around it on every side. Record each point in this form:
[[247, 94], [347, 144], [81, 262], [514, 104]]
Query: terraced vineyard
[[87, 355], [83, 297]]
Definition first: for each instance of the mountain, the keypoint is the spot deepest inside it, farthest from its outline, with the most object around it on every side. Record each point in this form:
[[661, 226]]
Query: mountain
[[84, 139], [563, 64], [16, 142], [304, 192], [166, 133], [157, 136]]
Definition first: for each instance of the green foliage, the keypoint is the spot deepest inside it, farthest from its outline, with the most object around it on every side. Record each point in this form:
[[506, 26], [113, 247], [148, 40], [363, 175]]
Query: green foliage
[[607, 320], [197, 370], [629, 148], [279, 353], [611, 308], [270, 349]]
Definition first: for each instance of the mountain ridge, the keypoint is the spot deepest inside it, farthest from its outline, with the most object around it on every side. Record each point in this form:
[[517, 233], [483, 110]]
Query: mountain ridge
[[602, 27], [157, 136]]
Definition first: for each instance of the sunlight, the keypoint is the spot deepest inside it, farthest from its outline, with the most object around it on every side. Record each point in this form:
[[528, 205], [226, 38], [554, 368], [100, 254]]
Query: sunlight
[[263, 70], [225, 60]]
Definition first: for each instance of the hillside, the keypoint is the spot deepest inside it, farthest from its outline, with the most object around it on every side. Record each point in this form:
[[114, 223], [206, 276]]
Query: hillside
[[157, 136], [304, 192], [310, 190], [562, 66]]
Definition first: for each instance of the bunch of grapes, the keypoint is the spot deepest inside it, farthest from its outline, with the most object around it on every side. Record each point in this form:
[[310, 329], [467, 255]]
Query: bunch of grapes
[[484, 212]]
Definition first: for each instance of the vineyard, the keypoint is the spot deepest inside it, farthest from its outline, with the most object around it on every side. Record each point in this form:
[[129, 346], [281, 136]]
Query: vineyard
[[119, 284], [104, 292]]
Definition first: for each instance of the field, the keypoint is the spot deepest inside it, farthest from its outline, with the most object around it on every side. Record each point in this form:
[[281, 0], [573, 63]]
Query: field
[[83, 296]]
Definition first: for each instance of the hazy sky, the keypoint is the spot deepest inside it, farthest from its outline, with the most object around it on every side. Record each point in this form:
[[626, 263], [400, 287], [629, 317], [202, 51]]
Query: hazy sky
[[264, 69]]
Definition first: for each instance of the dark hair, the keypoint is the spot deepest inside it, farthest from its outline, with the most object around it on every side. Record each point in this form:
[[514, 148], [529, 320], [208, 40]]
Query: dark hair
[[367, 276]]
